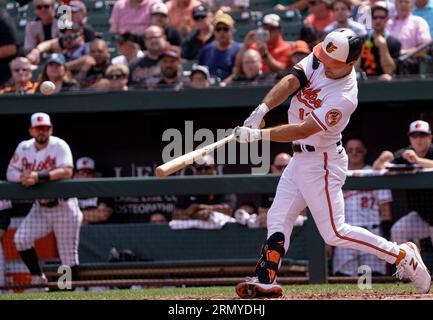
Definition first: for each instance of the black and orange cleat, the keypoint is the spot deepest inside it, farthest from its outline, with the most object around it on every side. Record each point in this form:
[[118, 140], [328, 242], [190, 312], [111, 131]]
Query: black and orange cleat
[[253, 289]]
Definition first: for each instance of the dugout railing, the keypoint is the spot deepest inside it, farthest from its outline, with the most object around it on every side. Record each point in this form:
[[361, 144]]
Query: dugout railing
[[200, 264]]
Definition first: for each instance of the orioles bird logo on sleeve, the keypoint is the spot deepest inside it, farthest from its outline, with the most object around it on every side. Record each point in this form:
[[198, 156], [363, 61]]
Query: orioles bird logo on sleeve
[[333, 117], [330, 47]]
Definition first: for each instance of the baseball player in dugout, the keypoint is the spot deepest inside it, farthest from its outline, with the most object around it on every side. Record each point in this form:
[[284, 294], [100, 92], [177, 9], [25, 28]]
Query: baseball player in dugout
[[418, 223], [324, 91], [43, 159], [95, 210]]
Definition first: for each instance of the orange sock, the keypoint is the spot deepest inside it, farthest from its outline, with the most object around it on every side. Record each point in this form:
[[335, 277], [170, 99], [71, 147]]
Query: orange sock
[[400, 257]]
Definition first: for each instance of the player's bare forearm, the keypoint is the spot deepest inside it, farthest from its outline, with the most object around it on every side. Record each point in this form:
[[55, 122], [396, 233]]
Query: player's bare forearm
[[7, 50], [223, 208], [60, 174], [281, 91], [291, 132], [426, 163]]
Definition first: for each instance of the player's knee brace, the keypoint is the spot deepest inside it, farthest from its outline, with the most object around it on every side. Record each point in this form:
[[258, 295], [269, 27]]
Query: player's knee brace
[[269, 262]]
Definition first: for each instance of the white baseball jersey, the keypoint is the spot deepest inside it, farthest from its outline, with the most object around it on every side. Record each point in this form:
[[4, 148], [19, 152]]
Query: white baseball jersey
[[314, 179], [27, 158], [330, 103], [362, 207], [64, 218]]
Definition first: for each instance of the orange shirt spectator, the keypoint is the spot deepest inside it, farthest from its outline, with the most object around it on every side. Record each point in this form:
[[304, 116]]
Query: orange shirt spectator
[[281, 51], [180, 15], [321, 14], [276, 52], [21, 70]]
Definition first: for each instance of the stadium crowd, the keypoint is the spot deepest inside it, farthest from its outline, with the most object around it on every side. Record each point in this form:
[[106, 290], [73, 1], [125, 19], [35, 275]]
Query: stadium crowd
[[179, 44]]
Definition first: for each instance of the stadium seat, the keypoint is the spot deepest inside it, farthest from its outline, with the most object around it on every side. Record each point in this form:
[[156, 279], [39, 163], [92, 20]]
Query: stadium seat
[[260, 5], [291, 30]]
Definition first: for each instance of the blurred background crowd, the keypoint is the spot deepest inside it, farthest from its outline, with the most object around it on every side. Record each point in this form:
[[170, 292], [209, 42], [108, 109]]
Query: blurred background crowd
[[179, 44]]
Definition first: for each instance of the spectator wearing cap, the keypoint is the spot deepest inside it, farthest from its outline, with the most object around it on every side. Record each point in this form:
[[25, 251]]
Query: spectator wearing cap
[[171, 69], [21, 70], [275, 51], [380, 50], [95, 210], [55, 71], [147, 67], [252, 70], [321, 14], [44, 27], [424, 9], [91, 68], [115, 79], [412, 31], [8, 44], [363, 13], [79, 16], [420, 139], [418, 223], [180, 15], [131, 16], [201, 35], [128, 47], [220, 55], [159, 17], [70, 44], [342, 12], [200, 77]]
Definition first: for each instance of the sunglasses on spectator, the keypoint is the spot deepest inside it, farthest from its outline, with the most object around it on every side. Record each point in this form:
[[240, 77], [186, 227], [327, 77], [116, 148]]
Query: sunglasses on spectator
[[418, 135], [225, 29], [115, 76], [70, 37], [379, 17], [312, 3], [198, 18], [43, 6], [18, 70], [153, 37], [356, 150]]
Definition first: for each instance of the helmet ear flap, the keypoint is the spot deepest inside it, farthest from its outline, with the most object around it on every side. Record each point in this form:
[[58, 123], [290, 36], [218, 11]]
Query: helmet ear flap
[[355, 47]]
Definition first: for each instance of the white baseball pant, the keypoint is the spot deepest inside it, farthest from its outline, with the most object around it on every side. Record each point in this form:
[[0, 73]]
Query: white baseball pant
[[348, 261], [64, 219], [411, 227], [315, 179]]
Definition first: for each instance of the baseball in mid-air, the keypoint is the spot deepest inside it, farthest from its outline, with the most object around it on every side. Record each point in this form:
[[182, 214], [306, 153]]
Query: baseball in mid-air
[[48, 87]]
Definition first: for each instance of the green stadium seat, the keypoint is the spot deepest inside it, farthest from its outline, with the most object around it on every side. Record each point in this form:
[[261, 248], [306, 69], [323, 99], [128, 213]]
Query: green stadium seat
[[260, 5], [187, 64], [241, 31], [99, 21], [291, 30], [286, 16], [241, 16]]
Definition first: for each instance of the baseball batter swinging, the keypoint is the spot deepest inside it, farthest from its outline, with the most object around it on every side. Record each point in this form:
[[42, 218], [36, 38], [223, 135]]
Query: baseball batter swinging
[[324, 89], [42, 159]]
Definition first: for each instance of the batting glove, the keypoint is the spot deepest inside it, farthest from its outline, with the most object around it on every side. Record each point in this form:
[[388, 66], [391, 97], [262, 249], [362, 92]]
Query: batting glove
[[244, 134], [256, 117]]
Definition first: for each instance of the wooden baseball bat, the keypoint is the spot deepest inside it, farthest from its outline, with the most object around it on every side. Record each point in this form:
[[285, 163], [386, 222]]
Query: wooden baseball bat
[[181, 162]]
